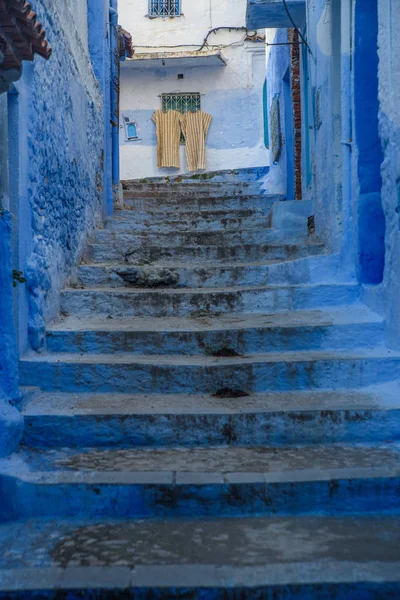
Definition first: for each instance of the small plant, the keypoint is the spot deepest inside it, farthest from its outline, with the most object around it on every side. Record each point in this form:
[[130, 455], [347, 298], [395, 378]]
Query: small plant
[[18, 277]]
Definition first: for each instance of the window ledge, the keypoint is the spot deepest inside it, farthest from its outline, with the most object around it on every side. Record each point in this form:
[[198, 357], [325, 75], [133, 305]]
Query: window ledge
[[164, 16]]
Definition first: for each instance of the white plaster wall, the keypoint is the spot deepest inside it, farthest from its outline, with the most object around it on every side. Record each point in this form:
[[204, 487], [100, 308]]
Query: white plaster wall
[[232, 94]]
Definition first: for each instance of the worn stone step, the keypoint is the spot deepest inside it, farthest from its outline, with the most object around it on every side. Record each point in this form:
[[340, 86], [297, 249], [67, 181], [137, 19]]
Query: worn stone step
[[368, 415], [308, 270], [212, 189], [160, 374], [187, 225], [196, 302], [194, 201], [316, 557], [134, 253], [201, 221], [344, 327], [185, 482], [173, 213], [121, 234]]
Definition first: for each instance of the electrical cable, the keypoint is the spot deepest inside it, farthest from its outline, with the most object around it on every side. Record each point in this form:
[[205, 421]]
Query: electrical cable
[[295, 27]]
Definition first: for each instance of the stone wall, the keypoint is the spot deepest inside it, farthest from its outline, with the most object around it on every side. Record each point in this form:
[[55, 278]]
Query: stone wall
[[57, 150]]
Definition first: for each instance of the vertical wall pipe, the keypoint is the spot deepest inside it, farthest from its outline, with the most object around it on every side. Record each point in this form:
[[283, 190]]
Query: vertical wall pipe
[[114, 95]]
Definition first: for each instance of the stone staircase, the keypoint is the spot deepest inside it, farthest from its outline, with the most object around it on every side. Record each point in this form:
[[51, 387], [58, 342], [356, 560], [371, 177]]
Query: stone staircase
[[215, 416]]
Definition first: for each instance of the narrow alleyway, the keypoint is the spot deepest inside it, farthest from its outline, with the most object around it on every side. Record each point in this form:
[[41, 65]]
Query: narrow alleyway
[[201, 421]]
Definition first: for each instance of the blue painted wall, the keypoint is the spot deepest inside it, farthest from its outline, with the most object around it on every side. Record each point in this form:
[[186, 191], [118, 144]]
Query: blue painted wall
[[10, 419], [57, 159], [371, 218], [278, 65]]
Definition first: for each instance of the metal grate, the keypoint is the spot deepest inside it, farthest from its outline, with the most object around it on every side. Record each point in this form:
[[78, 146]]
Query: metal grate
[[276, 132], [164, 8], [183, 103]]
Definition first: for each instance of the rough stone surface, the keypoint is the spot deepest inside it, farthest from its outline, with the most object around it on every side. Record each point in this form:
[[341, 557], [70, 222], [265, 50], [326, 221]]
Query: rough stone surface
[[65, 204], [273, 404]]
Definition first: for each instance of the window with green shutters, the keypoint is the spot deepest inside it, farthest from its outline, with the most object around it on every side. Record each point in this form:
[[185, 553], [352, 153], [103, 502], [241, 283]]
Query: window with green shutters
[[182, 102]]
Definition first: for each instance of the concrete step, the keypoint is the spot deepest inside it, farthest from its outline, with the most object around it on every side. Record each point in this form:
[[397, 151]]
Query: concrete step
[[308, 270], [121, 234], [132, 302], [241, 334], [160, 374], [316, 557], [134, 252], [212, 189], [166, 222], [176, 225], [208, 482], [221, 176], [174, 213], [368, 415], [192, 201]]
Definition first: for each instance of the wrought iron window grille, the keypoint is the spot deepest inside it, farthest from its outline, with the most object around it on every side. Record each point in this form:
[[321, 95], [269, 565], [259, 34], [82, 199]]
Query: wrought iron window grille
[[182, 102], [164, 8]]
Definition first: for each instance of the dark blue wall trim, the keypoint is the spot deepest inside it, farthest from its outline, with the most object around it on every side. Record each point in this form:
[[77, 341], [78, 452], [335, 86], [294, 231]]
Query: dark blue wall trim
[[371, 219]]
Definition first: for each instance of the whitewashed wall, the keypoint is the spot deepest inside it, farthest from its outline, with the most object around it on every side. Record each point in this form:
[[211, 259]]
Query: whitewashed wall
[[233, 94]]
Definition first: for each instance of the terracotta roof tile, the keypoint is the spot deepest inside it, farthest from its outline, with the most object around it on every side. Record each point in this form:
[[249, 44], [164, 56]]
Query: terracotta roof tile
[[21, 34]]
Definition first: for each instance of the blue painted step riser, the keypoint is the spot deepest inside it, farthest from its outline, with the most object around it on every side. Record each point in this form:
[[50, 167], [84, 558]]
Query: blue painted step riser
[[173, 226], [193, 202], [173, 304], [247, 341], [179, 214], [121, 234], [364, 496], [301, 591], [291, 273], [208, 190], [264, 429], [115, 253], [191, 379]]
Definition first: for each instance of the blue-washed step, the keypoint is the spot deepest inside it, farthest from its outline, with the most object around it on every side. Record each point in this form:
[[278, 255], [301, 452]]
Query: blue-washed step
[[174, 213], [196, 202], [209, 482], [318, 557], [339, 328], [129, 220], [230, 418], [211, 189], [165, 374], [122, 233], [134, 302], [308, 270], [135, 252]]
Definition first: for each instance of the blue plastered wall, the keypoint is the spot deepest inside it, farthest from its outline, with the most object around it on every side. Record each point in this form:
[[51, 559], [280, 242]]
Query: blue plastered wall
[[10, 418], [389, 131], [278, 63], [58, 154], [371, 224]]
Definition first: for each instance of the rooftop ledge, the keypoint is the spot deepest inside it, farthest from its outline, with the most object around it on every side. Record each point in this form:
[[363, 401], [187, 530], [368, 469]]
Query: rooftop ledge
[[190, 58], [271, 14]]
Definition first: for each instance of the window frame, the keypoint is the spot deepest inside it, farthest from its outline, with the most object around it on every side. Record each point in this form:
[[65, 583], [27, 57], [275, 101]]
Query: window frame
[[164, 107], [157, 6], [129, 121]]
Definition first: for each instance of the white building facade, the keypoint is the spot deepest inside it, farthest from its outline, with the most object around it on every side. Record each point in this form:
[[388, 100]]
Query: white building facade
[[192, 56]]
